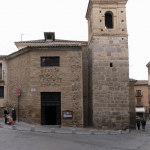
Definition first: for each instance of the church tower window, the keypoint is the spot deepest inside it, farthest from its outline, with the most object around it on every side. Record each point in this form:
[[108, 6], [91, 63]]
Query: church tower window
[[108, 20]]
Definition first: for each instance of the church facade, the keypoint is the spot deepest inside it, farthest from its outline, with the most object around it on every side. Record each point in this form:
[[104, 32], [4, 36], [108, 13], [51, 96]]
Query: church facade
[[75, 83]]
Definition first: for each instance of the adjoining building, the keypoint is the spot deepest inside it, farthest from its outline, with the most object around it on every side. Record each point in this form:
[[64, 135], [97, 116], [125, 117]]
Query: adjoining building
[[141, 98], [3, 83], [75, 83], [139, 101], [148, 66]]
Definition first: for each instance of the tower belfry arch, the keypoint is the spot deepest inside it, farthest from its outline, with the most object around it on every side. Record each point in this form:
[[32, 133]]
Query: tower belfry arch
[[108, 64]]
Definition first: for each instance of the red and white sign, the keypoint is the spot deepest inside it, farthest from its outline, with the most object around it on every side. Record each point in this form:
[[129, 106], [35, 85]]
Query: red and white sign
[[17, 91]]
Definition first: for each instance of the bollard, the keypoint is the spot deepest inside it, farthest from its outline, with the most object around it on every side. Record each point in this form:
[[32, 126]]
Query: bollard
[[73, 131], [92, 132], [120, 131], [107, 131], [33, 128], [128, 130], [14, 127], [1, 125], [52, 130]]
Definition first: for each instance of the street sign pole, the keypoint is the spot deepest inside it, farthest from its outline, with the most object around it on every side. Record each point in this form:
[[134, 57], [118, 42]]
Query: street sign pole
[[18, 108], [18, 94]]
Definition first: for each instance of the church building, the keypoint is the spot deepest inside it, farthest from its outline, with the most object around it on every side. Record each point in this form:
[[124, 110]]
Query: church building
[[75, 83]]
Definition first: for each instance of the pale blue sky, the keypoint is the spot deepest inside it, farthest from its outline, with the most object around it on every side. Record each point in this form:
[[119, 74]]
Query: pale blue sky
[[67, 19]]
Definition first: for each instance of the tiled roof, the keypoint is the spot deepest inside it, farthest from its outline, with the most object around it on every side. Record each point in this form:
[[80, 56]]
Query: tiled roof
[[54, 45], [44, 41], [2, 56], [141, 82], [30, 48]]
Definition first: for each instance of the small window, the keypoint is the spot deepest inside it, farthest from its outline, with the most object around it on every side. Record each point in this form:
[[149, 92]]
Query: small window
[[50, 61], [111, 64], [101, 29], [100, 20], [1, 91], [122, 20], [121, 11], [100, 11], [122, 29]]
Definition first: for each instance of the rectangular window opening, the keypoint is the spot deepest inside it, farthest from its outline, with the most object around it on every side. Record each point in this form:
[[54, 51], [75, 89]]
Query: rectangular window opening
[[50, 61], [139, 100], [121, 11], [138, 92], [1, 91], [100, 11]]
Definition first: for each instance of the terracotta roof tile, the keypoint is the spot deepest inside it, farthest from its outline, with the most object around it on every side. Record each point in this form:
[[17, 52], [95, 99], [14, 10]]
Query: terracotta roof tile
[[55, 45]]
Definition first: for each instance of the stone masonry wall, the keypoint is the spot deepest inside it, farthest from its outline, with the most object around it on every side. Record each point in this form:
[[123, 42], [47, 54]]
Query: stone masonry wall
[[85, 83], [110, 85], [19, 77], [66, 78]]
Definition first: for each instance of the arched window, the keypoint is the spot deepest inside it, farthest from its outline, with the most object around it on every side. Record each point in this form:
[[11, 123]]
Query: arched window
[[108, 20]]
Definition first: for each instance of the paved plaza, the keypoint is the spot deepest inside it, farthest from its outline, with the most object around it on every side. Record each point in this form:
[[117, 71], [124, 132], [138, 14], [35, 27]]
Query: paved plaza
[[63, 139]]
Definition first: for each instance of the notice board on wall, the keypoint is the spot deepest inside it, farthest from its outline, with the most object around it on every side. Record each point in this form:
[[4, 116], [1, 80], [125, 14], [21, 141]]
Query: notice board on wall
[[67, 114]]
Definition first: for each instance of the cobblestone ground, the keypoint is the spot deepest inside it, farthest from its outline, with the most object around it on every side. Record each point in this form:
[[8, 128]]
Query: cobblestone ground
[[27, 140]]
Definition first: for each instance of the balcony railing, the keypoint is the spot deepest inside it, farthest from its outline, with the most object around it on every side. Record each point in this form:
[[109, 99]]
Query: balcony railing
[[138, 94], [139, 104]]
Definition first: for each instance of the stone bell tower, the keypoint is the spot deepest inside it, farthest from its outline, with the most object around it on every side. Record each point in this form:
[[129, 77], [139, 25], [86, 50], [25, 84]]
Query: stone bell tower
[[108, 64]]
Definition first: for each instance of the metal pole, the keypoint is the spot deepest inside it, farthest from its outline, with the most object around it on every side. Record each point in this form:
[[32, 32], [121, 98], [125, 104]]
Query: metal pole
[[18, 108]]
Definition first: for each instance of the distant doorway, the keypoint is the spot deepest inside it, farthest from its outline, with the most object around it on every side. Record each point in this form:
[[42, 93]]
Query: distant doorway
[[50, 108]]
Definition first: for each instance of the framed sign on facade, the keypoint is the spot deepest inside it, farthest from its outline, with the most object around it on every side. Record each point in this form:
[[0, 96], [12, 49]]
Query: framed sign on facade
[[67, 114]]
